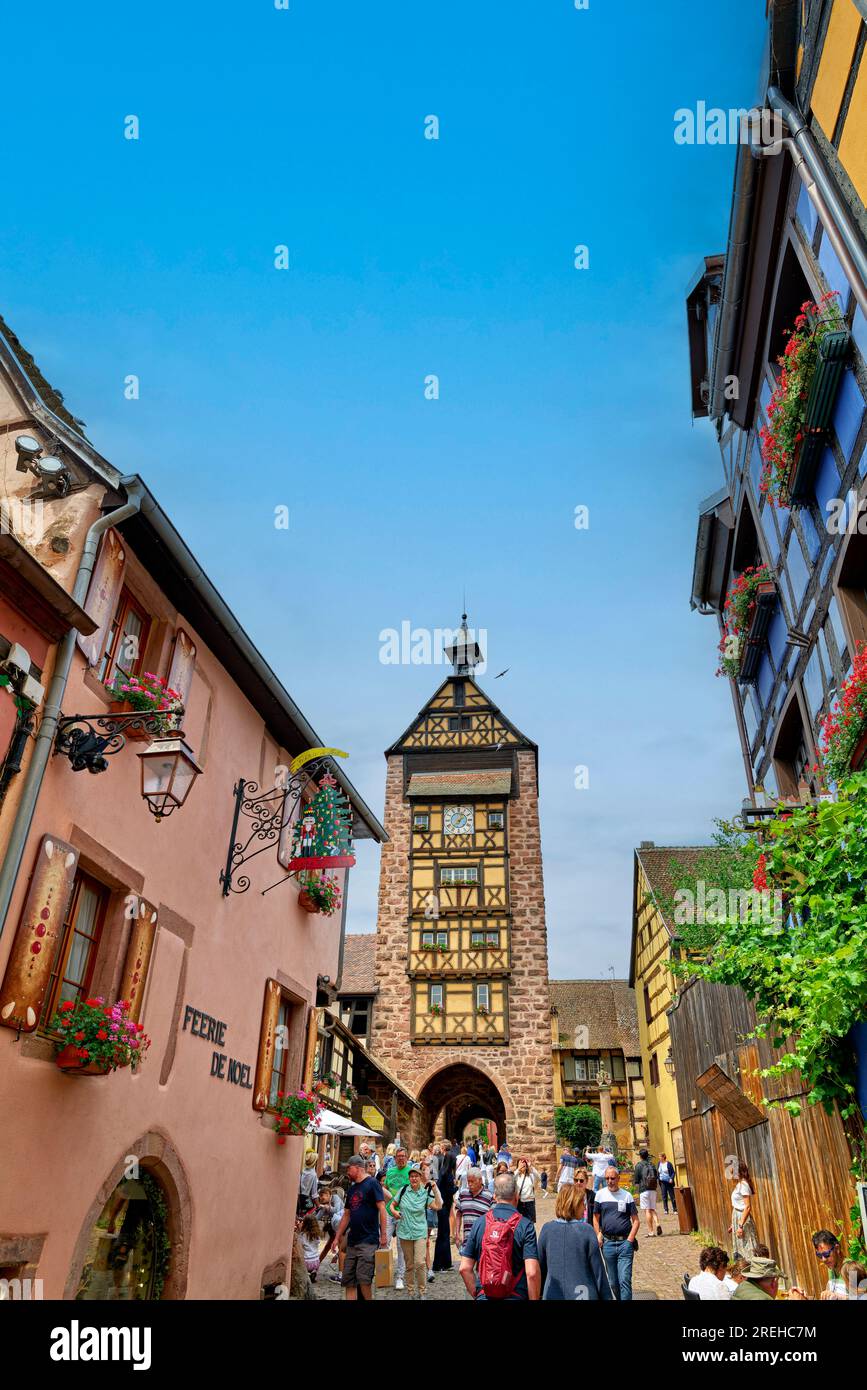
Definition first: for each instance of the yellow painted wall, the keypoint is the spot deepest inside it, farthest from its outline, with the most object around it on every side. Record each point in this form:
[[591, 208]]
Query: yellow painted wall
[[652, 953], [853, 142], [834, 66]]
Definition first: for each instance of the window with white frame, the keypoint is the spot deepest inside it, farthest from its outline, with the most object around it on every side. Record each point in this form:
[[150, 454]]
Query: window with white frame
[[468, 873]]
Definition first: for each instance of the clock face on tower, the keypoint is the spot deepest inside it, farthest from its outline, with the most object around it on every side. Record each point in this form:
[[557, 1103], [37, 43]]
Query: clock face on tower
[[458, 820]]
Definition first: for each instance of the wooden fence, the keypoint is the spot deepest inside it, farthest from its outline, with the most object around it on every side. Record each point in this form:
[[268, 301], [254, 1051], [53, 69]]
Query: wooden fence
[[799, 1164]]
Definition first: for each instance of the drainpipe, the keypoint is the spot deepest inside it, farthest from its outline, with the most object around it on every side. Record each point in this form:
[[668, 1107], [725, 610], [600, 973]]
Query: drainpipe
[[842, 230], [44, 741]]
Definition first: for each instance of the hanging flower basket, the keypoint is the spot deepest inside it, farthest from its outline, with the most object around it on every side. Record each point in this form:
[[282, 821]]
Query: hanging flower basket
[[747, 615], [843, 739], [435, 1011], [320, 893], [800, 409], [95, 1038], [293, 1113]]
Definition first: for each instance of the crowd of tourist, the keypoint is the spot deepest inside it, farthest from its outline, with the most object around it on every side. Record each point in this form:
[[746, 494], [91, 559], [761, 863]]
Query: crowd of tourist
[[420, 1204]]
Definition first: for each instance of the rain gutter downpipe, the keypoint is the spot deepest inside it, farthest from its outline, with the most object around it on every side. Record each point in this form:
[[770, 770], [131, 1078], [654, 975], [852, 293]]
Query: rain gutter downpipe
[[838, 222], [51, 713]]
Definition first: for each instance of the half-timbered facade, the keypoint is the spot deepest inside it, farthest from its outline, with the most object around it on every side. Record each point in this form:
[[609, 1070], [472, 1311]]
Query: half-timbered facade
[[462, 951]]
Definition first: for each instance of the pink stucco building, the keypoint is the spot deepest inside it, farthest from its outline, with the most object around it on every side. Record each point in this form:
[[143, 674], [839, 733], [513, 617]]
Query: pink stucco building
[[167, 1181]]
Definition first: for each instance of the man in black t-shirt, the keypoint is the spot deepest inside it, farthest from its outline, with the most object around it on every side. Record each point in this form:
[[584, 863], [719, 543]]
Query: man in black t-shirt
[[365, 1219]]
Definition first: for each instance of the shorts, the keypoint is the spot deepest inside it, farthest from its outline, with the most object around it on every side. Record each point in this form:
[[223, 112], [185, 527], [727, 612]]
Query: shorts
[[647, 1200], [359, 1265], [432, 1219], [312, 1266]]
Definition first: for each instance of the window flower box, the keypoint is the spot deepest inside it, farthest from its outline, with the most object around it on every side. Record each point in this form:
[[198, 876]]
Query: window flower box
[[748, 610], [801, 407], [435, 1011], [69, 1060], [150, 696], [482, 1012], [93, 1039], [438, 949], [843, 739], [859, 756], [293, 1113]]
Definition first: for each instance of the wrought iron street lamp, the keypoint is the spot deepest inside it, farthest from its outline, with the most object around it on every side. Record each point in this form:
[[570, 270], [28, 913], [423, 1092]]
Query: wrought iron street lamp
[[168, 767], [168, 771], [669, 1064]]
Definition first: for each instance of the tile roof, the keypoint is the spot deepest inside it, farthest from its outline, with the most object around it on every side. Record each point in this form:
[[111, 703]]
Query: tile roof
[[359, 964], [606, 1007], [497, 782], [656, 861]]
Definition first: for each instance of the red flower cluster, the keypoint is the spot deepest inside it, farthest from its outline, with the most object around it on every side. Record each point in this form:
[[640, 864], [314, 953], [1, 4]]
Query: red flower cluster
[[760, 877], [295, 1111], [784, 433], [738, 612], [846, 721], [100, 1032]]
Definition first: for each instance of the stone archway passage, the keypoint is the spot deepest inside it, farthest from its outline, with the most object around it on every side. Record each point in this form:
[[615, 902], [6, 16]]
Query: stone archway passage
[[457, 1094], [158, 1164]]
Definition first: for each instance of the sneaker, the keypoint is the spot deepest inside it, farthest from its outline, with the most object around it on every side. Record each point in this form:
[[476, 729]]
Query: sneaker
[[430, 1276], [398, 1283]]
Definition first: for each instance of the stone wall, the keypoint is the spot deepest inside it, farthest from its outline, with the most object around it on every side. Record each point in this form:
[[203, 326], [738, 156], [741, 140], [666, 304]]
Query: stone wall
[[521, 1070]]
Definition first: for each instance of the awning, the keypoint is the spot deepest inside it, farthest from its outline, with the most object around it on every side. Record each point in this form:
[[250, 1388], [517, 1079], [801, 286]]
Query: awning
[[497, 782], [329, 1122]]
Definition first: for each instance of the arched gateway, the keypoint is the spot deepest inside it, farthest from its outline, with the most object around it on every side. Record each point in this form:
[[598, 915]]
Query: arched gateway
[[454, 1096], [463, 1008]]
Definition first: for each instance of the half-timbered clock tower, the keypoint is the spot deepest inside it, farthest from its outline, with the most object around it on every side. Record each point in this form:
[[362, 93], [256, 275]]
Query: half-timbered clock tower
[[462, 1014]]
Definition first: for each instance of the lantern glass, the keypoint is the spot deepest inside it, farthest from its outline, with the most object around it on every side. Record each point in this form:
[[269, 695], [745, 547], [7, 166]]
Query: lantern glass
[[168, 771]]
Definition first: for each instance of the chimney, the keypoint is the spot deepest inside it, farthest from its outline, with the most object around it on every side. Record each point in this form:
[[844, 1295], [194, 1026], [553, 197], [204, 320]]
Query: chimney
[[647, 844]]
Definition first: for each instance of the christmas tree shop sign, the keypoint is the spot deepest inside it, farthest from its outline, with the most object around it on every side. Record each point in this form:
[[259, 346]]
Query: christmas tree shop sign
[[225, 1068]]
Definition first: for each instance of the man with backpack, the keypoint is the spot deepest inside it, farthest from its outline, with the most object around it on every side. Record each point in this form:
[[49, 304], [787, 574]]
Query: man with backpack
[[500, 1258], [646, 1180]]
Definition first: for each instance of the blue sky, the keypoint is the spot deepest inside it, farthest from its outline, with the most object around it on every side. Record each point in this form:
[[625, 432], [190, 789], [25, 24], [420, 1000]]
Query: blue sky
[[409, 257]]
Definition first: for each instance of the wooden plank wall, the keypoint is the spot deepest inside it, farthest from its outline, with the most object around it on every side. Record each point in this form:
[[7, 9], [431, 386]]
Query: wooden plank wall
[[799, 1165]]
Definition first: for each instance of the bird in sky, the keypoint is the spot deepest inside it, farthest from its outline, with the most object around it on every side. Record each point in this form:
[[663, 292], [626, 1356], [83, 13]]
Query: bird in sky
[[501, 673]]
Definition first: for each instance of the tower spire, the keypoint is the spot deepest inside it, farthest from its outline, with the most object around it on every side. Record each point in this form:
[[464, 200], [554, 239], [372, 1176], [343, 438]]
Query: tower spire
[[463, 651]]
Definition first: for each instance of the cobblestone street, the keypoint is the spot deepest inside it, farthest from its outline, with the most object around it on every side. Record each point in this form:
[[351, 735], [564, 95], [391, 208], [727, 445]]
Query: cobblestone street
[[657, 1272]]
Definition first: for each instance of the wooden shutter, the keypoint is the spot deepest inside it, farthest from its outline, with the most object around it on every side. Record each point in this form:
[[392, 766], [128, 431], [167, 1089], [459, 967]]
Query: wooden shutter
[[183, 664], [313, 1024], [138, 952], [103, 595], [27, 974], [267, 1044]]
